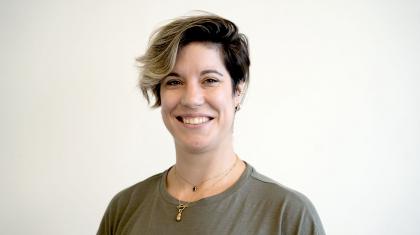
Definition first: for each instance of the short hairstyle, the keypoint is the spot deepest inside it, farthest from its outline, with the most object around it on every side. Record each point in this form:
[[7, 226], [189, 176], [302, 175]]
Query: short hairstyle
[[160, 57]]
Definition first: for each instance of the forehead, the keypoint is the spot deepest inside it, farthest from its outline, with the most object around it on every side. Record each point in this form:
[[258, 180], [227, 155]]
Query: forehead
[[198, 56]]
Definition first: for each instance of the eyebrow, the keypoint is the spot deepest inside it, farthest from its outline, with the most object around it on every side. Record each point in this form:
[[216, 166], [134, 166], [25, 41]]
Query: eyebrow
[[173, 74], [211, 71]]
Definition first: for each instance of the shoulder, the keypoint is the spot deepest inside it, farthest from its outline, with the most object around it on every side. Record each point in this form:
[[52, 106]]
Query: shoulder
[[273, 188], [294, 207], [124, 204], [133, 196], [137, 190]]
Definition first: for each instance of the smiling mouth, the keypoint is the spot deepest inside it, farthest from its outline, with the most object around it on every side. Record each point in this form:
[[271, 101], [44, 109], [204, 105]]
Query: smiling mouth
[[194, 120]]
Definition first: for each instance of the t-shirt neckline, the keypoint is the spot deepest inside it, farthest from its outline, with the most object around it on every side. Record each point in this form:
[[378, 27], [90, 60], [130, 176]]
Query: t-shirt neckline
[[208, 200]]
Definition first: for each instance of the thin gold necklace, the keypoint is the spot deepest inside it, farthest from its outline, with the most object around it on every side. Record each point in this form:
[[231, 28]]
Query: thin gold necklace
[[183, 205], [195, 187]]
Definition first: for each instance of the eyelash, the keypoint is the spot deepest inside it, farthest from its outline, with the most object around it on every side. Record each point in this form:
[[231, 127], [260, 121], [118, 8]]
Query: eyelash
[[176, 82], [173, 82], [211, 80]]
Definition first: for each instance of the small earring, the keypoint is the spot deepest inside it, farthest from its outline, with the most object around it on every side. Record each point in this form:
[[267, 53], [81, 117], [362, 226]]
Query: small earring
[[237, 108]]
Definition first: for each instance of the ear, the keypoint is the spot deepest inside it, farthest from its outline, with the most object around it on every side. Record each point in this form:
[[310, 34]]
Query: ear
[[239, 93]]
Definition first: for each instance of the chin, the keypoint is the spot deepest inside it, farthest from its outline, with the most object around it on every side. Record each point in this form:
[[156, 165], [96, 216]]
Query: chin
[[195, 146]]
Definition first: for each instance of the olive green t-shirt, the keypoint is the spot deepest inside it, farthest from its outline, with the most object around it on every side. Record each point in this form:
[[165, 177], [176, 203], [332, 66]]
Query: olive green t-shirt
[[255, 204]]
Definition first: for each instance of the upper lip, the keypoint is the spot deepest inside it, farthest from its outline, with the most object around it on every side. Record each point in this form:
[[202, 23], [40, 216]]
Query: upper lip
[[193, 115]]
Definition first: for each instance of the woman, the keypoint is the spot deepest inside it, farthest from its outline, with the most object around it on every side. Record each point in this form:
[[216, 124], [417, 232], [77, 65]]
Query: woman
[[196, 69]]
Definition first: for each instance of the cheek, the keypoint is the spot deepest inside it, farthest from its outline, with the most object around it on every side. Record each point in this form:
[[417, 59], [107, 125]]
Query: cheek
[[167, 99], [165, 111], [224, 100], [165, 105]]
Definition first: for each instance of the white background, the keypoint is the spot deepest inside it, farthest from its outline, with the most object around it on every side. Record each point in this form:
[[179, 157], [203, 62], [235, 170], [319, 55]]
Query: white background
[[332, 110]]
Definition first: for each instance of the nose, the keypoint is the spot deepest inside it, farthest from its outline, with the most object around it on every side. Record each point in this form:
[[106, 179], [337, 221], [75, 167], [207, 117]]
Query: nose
[[192, 96]]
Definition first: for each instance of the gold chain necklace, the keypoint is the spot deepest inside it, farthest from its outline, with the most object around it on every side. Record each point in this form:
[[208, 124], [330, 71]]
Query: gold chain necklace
[[195, 187], [182, 206]]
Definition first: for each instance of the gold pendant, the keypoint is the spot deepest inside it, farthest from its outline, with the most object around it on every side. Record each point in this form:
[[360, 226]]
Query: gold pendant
[[178, 216], [195, 188], [181, 208]]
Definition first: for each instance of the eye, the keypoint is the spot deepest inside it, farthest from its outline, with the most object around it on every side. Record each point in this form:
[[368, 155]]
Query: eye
[[173, 83], [211, 81]]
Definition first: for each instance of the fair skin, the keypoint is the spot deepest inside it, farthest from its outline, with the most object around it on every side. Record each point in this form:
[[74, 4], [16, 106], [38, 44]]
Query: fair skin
[[198, 109]]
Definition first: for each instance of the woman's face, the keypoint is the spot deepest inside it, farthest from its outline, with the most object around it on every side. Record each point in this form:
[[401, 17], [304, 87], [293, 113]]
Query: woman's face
[[197, 100]]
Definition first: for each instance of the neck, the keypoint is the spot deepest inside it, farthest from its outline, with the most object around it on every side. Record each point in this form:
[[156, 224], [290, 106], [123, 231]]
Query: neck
[[198, 166], [217, 170]]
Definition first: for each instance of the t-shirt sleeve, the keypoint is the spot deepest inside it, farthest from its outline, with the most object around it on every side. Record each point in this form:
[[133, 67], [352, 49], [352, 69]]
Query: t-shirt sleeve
[[113, 213], [300, 216], [105, 227]]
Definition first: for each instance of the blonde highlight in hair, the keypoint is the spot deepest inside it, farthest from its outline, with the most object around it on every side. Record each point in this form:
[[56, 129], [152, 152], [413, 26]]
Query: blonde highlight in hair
[[164, 44]]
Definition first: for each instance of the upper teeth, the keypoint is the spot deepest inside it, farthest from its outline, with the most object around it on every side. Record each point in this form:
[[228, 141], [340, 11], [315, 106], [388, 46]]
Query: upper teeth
[[195, 120]]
